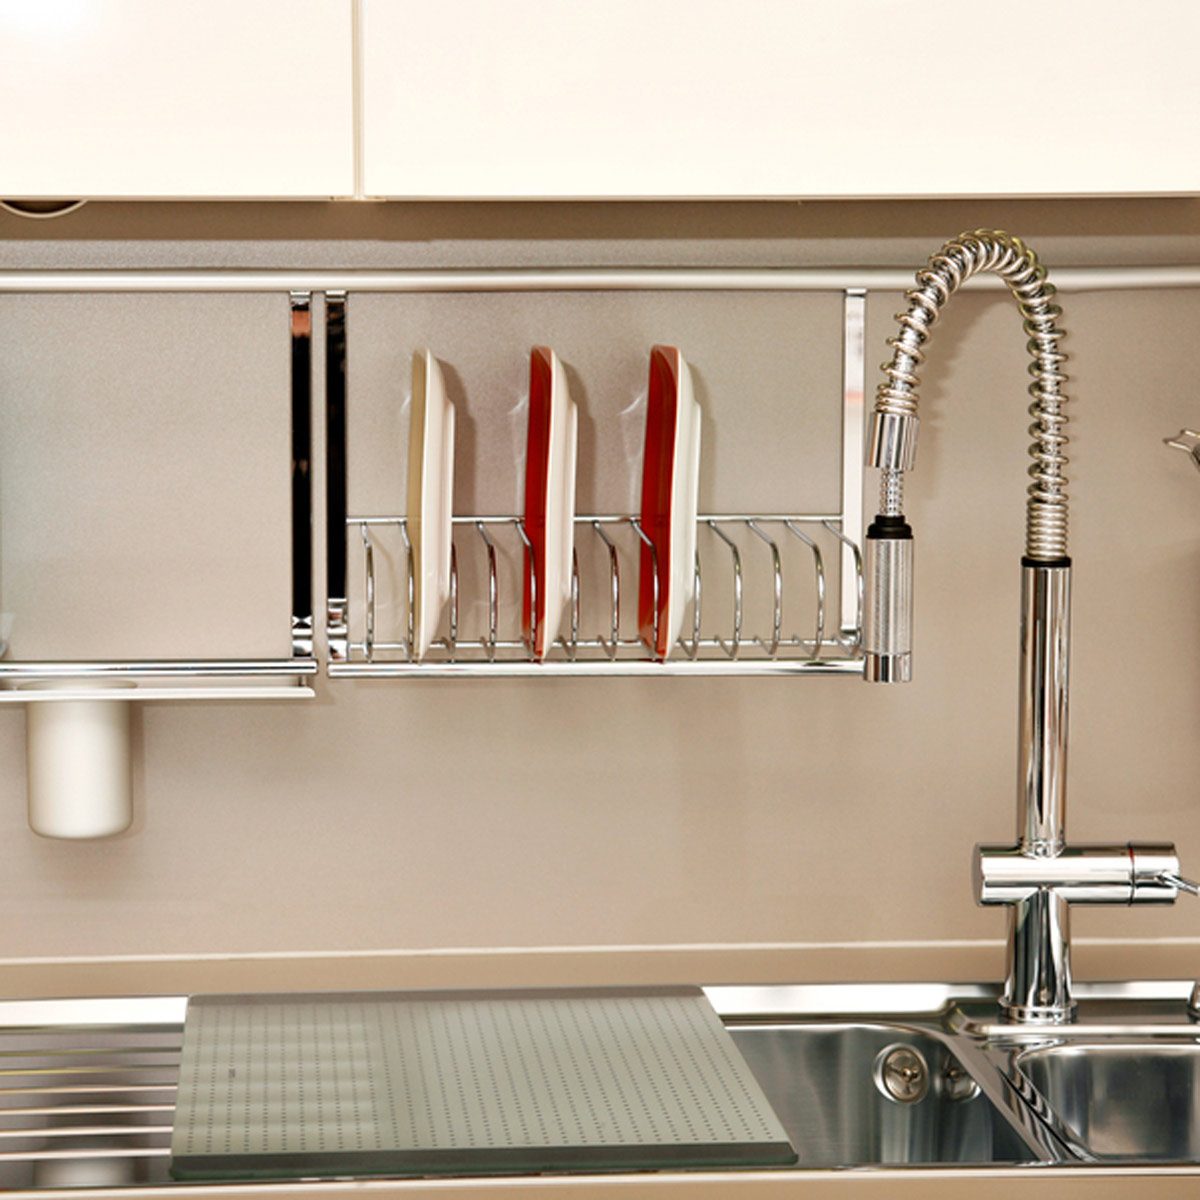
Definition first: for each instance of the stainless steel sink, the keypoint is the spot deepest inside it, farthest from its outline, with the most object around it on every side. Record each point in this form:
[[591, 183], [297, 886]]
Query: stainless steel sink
[[853, 1094], [1122, 1101], [869, 1077]]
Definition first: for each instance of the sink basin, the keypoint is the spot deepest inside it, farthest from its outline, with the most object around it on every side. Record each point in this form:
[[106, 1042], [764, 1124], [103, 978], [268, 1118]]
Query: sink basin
[[1126, 1101], [852, 1094]]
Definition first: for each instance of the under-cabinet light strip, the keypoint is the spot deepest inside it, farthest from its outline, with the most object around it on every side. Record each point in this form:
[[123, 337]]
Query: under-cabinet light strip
[[649, 279]]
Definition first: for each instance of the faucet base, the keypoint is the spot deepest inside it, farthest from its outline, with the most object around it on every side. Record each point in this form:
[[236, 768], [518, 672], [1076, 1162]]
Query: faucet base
[[1025, 1014]]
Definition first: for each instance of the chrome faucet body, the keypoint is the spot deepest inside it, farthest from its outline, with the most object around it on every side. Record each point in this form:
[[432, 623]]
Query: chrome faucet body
[[1040, 876]]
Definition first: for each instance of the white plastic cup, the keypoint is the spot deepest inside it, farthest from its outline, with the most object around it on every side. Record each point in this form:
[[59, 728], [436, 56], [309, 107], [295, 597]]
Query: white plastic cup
[[78, 766]]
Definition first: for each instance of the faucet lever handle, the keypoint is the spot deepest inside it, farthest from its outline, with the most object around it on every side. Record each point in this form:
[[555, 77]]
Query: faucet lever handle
[[1187, 440], [1171, 879]]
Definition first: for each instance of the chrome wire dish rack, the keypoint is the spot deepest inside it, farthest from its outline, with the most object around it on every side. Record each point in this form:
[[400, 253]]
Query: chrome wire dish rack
[[763, 600], [775, 593]]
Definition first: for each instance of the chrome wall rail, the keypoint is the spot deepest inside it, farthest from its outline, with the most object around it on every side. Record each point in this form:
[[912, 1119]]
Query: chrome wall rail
[[567, 279], [760, 600]]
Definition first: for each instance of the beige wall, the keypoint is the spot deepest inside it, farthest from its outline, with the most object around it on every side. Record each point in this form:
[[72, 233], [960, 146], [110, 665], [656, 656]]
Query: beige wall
[[143, 507]]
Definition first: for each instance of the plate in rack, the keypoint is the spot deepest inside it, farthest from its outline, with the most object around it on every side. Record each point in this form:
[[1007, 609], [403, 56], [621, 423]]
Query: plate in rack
[[670, 501]]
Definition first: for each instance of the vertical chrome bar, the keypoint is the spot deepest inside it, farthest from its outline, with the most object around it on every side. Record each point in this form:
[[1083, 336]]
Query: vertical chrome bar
[[410, 640], [489, 643], [854, 381], [648, 542], [735, 644], [369, 584], [819, 569], [336, 532], [1045, 640], [452, 634], [573, 644], [772, 647], [302, 501], [532, 580], [614, 596], [851, 641], [697, 589]]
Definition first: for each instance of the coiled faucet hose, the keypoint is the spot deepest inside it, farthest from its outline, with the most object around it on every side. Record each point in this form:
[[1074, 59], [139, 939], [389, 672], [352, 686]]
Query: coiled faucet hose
[[937, 281]]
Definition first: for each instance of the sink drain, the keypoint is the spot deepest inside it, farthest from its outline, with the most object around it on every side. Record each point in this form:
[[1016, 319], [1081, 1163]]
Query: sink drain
[[902, 1074]]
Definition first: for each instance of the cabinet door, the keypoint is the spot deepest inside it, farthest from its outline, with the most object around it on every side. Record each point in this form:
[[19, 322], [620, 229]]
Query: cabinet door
[[779, 98], [145, 98]]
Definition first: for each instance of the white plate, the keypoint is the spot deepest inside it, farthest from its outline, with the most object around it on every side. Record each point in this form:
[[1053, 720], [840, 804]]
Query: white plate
[[430, 496], [551, 455], [685, 502]]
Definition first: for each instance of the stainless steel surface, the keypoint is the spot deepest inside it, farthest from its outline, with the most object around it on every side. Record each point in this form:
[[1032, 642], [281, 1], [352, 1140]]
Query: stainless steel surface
[[787, 279], [1134, 1102], [87, 1105], [824, 1083], [778, 557], [1117, 1087], [887, 618]]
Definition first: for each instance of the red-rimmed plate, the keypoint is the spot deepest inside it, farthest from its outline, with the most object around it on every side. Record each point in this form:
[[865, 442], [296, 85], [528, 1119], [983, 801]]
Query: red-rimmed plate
[[670, 501], [550, 459]]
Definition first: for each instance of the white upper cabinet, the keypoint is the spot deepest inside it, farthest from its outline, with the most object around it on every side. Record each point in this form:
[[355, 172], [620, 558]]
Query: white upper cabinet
[[779, 98], [162, 98]]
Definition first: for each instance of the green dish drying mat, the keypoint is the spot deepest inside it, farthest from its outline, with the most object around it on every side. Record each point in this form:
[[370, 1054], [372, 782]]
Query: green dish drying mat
[[419, 1083]]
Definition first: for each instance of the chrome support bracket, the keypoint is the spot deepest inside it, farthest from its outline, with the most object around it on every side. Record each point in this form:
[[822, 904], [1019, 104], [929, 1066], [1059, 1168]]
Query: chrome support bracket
[[300, 304], [854, 383], [337, 629]]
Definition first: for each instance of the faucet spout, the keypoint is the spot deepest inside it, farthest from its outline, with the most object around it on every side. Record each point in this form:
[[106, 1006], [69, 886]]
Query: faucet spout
[[894, 426], [1040, 877]]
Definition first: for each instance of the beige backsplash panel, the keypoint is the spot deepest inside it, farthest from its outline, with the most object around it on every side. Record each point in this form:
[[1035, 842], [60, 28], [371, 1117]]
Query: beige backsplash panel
[[491, 813]]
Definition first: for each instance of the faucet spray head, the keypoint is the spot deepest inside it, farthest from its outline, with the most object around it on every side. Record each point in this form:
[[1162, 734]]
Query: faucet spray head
[[888, 554], [888, 600]]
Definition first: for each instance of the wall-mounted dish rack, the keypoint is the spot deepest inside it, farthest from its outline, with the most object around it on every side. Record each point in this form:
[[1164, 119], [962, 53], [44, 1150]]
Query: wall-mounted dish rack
[[803, 627]]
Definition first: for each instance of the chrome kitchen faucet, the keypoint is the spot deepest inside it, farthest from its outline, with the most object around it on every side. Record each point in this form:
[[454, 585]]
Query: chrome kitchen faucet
[[1040, 876]]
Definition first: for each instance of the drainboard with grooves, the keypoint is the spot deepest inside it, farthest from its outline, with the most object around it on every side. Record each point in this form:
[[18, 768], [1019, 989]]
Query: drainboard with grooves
[[426, 1083], [86, 1107]]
